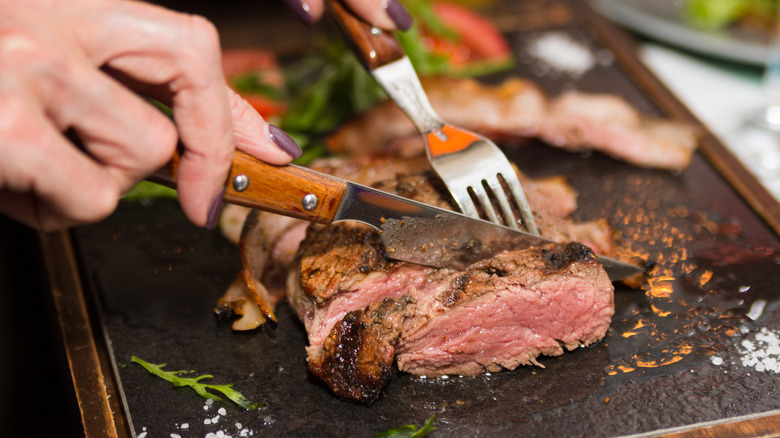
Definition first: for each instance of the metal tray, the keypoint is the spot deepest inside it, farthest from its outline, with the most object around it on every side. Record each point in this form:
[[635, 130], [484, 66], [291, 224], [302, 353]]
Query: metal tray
[[144, 282]]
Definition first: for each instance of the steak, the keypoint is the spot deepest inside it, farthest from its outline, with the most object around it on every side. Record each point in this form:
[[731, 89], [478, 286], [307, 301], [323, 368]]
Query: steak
[[362, 310], [498, 313]]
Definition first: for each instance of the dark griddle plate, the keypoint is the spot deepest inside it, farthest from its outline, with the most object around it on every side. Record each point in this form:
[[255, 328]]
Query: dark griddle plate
[[151, 280]]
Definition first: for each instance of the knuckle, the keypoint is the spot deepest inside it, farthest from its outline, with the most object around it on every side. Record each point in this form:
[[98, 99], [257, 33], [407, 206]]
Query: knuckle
[[201, 34], [27, 61], [20, 49]]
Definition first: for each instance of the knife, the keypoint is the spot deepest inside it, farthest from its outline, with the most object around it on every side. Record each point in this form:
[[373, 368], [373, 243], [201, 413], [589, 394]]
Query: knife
[[410, 230]]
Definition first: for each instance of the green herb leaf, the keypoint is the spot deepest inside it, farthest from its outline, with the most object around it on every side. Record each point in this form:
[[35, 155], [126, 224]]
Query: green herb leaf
[[252, 83], [409, 431], [146, 190], [194, 383]]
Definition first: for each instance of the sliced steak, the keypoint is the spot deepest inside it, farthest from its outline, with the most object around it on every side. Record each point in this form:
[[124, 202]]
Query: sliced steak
[[498, 313], [362, 310]]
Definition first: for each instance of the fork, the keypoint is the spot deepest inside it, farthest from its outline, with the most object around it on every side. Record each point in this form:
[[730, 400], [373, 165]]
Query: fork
[[471, 166]]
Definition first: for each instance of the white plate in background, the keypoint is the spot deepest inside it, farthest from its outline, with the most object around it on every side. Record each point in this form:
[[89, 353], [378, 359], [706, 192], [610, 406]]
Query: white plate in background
[[663, 21]]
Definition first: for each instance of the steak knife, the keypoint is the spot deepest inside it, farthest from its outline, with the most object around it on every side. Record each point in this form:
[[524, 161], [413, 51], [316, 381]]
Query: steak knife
[[410, 230]]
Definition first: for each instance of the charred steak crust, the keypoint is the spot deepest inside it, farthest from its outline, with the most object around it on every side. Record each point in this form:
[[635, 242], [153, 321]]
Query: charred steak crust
[[324, 266], [557, 258], [357, 357]]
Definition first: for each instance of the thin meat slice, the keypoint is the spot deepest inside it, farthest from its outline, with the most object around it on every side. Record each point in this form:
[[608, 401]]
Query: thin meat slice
[[516, 110]]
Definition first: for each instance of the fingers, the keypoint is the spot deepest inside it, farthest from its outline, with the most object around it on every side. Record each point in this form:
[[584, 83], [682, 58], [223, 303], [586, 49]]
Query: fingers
[[49, 69], [180, 54], [257, 138], [46, 92], [386, 14], [51, 184]]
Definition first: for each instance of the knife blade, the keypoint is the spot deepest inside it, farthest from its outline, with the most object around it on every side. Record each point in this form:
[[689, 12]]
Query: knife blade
[[410, 230]]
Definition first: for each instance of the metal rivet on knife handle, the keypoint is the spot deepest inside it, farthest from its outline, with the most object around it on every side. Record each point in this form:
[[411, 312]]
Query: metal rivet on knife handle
[[310, 202], [240, 183]]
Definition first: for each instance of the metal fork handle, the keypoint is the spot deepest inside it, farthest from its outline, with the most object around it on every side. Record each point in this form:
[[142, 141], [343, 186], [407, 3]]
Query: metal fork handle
[[401, 83], [383, 57]]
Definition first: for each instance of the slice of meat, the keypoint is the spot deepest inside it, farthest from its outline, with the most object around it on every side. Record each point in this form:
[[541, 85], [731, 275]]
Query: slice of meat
[[500, 313], [362, 310], [579, 121], [516, 110]]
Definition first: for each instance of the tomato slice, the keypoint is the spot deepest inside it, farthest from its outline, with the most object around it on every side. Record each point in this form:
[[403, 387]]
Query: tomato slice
[[266, 106], [479, 39], [261, 67]]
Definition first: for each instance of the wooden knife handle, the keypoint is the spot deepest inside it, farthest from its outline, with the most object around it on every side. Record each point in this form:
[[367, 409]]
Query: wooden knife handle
[[277, 189], [372, 46]]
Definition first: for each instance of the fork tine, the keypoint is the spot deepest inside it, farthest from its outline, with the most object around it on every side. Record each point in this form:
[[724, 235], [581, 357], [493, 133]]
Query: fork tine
[[463, 199], [503, 201], [522, 203], [484, 201]]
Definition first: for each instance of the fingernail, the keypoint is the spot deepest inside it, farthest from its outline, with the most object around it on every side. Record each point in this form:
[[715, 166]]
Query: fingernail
[[399, 14], [215, 211], [284, 141], [301, 10]]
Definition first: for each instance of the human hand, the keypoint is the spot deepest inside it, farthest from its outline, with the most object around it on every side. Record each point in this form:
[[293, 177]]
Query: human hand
[[78, 66], [386, 14]]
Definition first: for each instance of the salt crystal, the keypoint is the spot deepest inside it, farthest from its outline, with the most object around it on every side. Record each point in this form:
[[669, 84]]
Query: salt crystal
[[185, 425], [763, 353], [716, 360], [558, 50], [175, 435], [222, 411]]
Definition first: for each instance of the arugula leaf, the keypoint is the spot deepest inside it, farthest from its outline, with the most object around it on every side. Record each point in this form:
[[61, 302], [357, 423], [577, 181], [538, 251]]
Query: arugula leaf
[[194, 383], [253, 83], [409, 431], [326, 87], [145, 190]]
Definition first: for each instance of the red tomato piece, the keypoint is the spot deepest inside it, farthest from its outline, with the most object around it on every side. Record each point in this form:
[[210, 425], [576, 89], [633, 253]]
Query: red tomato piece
[[482, 40], [263, 63], [265, 106]]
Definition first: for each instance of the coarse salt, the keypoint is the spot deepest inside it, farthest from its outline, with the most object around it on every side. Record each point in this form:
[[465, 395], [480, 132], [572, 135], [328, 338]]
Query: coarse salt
[[762, 353], [559, 51]]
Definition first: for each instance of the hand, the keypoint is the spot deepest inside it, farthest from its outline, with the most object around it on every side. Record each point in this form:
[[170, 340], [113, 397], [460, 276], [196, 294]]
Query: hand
[[80, 67], [386, 14]]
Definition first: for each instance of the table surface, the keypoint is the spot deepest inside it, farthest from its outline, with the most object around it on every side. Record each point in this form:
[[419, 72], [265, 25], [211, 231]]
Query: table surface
[[689, 76]]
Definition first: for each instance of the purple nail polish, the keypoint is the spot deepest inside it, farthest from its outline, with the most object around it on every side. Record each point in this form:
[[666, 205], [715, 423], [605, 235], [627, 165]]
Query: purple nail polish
[[284, 141], [301, 10], [399, 14], [215, 211]]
